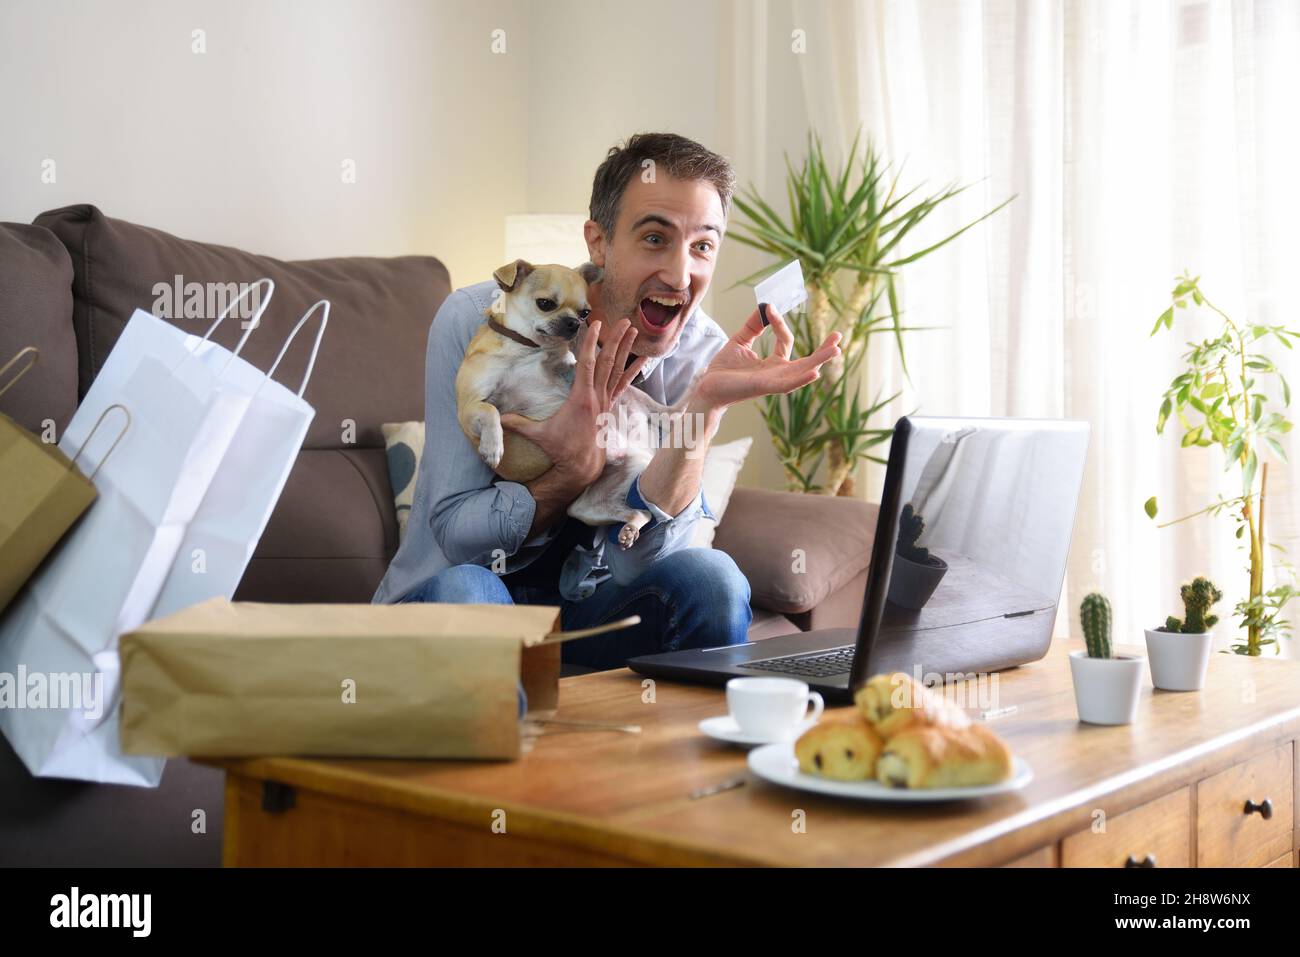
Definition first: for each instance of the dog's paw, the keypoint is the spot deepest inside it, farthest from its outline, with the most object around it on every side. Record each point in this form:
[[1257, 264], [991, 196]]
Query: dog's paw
[[628, 534], [491, 446]]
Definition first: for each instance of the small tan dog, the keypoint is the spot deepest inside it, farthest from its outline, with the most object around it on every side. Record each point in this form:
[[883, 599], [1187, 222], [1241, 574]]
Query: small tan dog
[[520, 362]]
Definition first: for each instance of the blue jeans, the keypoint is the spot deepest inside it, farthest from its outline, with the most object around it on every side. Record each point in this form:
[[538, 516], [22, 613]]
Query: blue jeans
[[693, 598]]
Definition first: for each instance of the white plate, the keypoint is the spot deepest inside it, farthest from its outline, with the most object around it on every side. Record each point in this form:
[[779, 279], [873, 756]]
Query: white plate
[[724, 728], [777, 763]]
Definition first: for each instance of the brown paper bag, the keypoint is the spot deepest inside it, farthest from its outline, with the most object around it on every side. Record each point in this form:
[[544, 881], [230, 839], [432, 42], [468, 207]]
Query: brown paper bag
[[415, 680], [44, 493]]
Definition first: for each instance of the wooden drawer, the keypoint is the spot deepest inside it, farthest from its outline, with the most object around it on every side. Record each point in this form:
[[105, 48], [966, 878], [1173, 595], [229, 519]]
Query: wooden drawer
[[1043, 857], [1227, 836], [1159, 831]]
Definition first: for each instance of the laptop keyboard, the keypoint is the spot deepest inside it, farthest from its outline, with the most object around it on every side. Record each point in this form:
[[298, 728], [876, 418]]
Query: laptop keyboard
[[825, 665]]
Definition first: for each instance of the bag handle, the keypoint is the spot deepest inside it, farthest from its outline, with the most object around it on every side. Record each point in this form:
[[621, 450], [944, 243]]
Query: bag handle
[[253, 324], [556, 637], [127, 413], [311, 363], [36, 357]]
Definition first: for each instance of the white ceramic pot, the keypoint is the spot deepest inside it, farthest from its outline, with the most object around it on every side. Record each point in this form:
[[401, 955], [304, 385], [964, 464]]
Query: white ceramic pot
[[1178, 661], [1106, 689]]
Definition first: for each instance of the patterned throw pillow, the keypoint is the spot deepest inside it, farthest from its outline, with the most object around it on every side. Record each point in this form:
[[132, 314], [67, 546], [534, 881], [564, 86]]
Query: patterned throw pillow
[[405, 443]]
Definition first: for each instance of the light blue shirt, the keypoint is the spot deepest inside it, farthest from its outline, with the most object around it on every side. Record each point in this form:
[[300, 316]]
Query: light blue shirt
[[463, 513]]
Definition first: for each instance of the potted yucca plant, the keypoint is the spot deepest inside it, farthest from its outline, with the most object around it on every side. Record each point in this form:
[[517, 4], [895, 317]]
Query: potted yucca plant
[[1106, 685], [1179, 650], [848, 226]]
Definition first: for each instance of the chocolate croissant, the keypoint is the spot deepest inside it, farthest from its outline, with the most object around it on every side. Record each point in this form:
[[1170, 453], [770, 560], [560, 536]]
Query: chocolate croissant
[[842, 750], [894, 702], [944, 757]]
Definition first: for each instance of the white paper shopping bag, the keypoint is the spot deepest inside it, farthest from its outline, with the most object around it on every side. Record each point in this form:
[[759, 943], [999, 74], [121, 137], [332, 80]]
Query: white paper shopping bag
[[221, 538], [107, 572]]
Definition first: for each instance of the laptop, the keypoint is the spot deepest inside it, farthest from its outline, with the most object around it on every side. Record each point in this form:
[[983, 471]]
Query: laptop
[[966, 568]]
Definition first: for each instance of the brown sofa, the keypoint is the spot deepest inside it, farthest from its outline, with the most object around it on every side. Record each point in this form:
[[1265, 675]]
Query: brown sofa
[[68, 284]]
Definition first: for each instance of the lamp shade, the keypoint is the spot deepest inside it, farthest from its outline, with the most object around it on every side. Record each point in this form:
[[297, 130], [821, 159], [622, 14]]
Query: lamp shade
[[546, 238]]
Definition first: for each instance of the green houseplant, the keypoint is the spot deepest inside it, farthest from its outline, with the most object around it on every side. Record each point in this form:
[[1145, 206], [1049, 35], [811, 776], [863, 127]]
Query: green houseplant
[[846, 225], [1221, 399], [1179, 650]]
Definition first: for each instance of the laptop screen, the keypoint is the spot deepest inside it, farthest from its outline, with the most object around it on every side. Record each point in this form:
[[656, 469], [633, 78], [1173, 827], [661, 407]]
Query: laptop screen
[[971, 544]]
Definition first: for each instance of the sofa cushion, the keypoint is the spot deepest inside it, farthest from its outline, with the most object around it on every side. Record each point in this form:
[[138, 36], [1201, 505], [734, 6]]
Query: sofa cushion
[[36, 310], [332, 534], [371, 364], [839, 609], [796, 549], [768, 624]]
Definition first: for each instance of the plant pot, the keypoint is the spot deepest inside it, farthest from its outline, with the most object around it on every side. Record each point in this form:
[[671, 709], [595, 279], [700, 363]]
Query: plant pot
[[1178, 661], [911, 584], [1106, 690]]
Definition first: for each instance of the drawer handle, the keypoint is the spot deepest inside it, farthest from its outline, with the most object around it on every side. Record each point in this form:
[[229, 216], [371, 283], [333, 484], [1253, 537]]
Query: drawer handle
[[277, 798], [1264, 808], [1148, 861]]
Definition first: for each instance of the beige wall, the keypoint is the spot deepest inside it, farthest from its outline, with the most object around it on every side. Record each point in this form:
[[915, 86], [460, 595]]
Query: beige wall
[[245, 143], [690, 66]]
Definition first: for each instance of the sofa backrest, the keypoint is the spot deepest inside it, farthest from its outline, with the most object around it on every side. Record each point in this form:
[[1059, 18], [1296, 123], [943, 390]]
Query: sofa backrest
[[70, 282], [371, 365], [36, 310]]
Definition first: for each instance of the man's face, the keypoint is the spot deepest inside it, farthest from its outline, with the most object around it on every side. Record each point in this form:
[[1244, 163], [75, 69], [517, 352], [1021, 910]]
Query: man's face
[[664, 248]]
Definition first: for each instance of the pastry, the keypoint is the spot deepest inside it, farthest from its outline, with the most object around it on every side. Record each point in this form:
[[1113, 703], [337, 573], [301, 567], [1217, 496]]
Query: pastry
[[944, 757], [841, 750], [893, 702]]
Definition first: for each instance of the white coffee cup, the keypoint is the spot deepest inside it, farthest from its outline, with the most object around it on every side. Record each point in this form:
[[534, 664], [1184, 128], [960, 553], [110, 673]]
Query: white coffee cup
[[772, 708]]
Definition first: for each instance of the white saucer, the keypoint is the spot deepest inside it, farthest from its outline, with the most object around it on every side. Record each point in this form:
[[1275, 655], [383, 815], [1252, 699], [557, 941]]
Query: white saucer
[[724, 728]]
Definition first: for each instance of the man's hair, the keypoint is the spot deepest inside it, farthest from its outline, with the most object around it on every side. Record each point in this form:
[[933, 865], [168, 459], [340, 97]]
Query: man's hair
[[668, 154]]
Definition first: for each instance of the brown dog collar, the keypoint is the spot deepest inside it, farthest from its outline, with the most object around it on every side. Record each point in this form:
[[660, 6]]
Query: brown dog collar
[[510, 333]]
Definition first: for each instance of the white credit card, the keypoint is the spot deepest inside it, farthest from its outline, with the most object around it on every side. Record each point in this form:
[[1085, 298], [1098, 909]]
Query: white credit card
[[784, 289]]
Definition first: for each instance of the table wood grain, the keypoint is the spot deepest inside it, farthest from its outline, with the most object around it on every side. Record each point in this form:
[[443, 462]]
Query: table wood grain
[[610, 797]]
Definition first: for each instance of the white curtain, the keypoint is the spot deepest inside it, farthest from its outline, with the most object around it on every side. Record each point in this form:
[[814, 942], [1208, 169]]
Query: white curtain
[[1141, 137]]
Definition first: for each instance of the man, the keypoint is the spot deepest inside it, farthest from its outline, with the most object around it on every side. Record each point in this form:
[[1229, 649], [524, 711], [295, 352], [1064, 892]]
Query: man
[[658, 215]]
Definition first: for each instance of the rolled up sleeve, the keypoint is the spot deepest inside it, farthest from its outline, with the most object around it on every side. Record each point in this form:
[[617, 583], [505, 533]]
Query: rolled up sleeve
[[660, 537]]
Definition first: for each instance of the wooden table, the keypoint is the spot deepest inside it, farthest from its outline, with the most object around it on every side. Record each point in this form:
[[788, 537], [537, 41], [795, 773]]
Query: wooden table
[[1170, 789]]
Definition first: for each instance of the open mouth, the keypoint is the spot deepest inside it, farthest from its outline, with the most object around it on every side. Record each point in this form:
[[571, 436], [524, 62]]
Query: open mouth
[[658, 312]]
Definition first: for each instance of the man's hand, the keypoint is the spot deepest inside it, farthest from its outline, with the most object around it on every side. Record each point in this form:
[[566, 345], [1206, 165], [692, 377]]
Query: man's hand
[[738, 373], [569, 436]]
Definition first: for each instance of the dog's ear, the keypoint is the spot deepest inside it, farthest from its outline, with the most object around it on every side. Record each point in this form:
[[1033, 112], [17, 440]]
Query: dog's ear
[[590, 272], [511, 275]]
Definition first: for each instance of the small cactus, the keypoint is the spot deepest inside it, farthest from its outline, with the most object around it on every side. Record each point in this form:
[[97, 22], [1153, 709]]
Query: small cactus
[[1198, 596], [910, 527], [1094, 613]]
